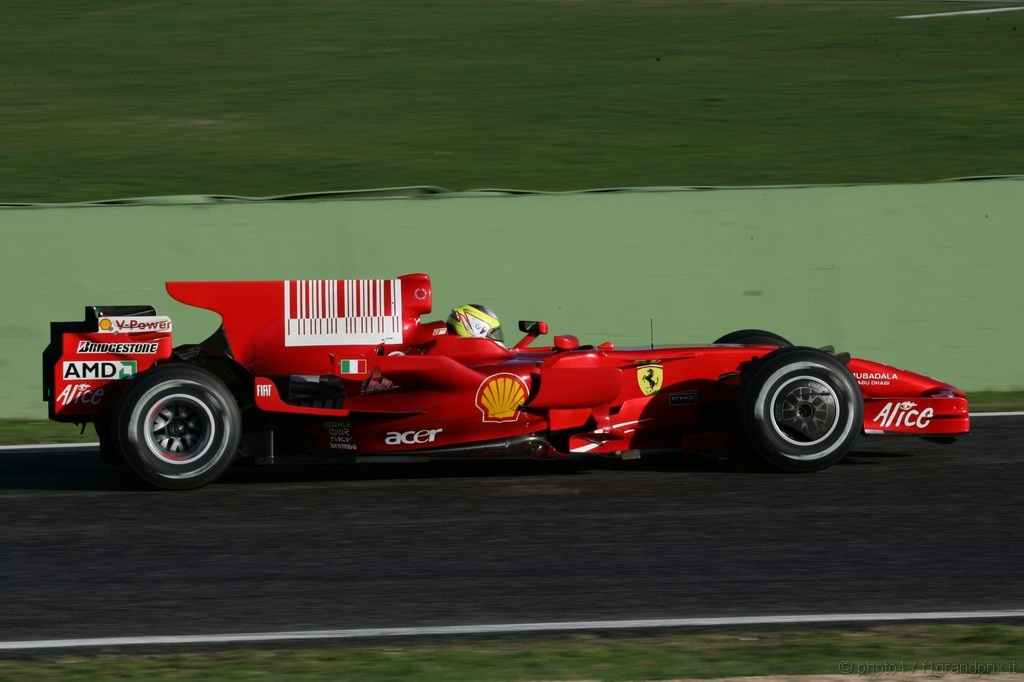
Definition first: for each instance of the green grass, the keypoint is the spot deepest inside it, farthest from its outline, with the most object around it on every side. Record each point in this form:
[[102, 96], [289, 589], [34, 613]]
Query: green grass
[[114, 98], [18, 431], [994, 401], [27, 431], [577, 657]]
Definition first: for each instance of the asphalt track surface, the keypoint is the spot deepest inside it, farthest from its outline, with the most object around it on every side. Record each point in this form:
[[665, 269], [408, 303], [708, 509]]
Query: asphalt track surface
[[902, 525]]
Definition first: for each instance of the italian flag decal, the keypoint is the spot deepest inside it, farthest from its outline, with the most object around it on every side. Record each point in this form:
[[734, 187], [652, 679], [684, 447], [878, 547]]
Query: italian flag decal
[[352, 366]]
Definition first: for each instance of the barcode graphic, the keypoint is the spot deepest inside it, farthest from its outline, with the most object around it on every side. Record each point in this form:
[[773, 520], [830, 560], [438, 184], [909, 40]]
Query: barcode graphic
[[331, 312]]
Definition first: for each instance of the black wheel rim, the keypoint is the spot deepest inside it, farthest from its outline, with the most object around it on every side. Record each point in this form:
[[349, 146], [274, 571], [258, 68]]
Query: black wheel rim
[[179, 429], [805, 412]]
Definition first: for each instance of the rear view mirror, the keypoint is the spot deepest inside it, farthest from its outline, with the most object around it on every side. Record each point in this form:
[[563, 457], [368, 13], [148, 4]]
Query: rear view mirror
[[532, 329]]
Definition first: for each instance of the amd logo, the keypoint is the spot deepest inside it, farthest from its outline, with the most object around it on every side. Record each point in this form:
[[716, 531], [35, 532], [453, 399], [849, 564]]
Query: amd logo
[[411, 437], [111, 370]]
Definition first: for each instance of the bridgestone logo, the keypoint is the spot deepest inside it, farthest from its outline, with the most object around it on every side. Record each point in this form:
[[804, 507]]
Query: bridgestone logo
[[118, 348]]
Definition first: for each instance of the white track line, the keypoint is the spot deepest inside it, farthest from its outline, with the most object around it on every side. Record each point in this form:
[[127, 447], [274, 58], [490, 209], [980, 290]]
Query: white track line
[[49, 446], [965, 11], [510, 628], [996, 414]]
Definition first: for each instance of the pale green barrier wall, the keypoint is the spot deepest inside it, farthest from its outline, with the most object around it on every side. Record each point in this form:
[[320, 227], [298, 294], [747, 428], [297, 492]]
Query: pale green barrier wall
[[927, 277]]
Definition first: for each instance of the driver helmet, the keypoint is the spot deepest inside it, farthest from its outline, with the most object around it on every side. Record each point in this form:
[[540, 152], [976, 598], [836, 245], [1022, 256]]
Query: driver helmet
[[474, 321]]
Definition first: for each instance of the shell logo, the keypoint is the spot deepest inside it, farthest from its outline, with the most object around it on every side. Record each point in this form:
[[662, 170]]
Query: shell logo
[[106, 325], [500, 396]]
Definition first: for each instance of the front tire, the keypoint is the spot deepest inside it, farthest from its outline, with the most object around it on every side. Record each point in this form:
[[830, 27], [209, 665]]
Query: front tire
[[802, 409], [755, 337], [179, 427]]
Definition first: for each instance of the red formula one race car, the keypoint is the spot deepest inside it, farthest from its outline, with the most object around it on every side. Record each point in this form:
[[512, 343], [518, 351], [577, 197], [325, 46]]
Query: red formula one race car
[[346, 367]]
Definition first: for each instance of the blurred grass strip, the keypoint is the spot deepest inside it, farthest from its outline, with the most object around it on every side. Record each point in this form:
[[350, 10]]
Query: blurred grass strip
[[31, 431], [996, 401], [591, 657], [115, 98]]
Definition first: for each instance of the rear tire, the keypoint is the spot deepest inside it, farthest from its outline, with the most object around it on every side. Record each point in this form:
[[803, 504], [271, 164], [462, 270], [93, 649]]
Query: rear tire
[[755, 337], [110, 447], [802, 409], [179, 427]]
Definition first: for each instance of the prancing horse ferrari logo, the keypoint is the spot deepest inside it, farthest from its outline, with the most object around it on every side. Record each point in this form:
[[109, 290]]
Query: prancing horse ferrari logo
[[649, 377]]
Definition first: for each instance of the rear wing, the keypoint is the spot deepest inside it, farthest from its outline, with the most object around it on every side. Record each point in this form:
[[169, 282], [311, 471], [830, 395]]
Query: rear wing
[[88, 363], [315, 327]]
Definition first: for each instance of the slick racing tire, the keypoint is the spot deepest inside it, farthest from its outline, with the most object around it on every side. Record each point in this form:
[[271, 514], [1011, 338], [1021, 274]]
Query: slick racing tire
[[802, 409], [179, 427], [110, 446], [758, 337]]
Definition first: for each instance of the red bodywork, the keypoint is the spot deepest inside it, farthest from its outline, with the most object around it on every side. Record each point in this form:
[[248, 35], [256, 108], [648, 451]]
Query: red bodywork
[[350, 364]]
